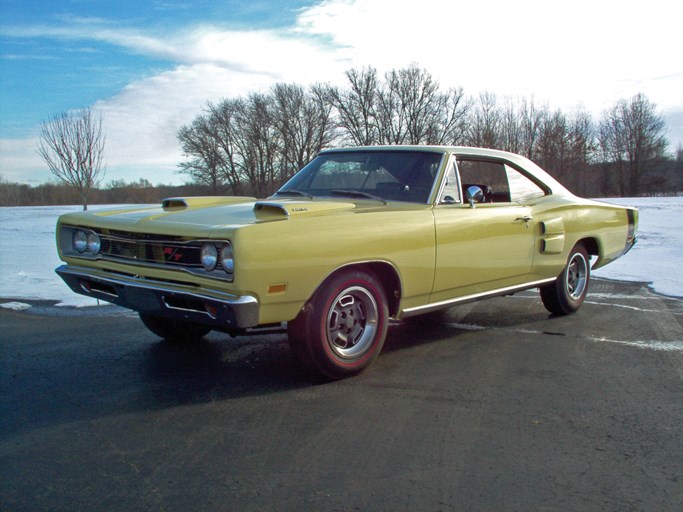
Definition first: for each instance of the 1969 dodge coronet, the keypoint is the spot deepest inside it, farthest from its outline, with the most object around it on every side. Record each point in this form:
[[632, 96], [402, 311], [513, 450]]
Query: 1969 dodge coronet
[[357, 237]]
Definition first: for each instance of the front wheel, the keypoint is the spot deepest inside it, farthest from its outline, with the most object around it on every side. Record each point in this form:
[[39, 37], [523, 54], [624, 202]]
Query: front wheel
[[341, 330], [566, 294], [174, 330]]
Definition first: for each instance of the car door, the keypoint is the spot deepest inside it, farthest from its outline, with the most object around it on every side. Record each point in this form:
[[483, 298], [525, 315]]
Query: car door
[[486, 246]]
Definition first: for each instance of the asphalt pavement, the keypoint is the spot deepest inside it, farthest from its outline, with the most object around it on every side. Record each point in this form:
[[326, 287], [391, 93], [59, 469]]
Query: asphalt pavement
[[493, 406]]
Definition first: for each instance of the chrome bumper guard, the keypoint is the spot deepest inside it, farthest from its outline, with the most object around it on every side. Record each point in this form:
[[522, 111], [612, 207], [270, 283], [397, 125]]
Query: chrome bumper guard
[[217, 309]]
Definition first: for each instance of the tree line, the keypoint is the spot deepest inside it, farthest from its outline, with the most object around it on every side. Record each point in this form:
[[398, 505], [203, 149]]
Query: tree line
[[114, 192], [253, 144]]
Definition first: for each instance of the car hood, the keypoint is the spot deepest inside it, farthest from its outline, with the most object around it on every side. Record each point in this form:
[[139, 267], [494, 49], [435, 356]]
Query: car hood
[[201, 215]]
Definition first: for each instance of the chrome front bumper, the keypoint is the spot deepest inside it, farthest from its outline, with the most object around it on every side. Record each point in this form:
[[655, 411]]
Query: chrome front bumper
[[220, 310]]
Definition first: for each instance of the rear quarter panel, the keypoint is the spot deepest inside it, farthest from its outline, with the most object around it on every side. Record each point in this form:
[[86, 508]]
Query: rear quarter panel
[[561, 222]]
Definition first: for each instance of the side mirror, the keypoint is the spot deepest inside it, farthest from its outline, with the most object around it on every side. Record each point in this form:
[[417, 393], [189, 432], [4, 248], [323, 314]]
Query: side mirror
[[474, 194]]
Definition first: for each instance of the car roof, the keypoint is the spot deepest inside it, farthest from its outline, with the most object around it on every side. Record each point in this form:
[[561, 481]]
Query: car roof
[[517, 160]]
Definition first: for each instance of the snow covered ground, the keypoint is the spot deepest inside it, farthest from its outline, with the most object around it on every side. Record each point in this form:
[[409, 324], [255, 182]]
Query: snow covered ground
[[28, 256]]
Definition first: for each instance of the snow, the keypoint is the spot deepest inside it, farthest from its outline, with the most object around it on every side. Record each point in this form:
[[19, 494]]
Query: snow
[[28, 255], [657, 258]]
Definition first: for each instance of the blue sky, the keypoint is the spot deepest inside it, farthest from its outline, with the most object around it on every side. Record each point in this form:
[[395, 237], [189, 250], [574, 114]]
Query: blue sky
[[150, 66], [49, 64], [53, 71]]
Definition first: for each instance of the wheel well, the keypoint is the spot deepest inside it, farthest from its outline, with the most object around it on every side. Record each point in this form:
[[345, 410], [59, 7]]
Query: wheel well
[[591, 245], [386, 274]]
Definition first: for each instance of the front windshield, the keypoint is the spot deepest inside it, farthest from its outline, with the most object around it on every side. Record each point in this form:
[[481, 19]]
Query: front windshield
[[381, 175]]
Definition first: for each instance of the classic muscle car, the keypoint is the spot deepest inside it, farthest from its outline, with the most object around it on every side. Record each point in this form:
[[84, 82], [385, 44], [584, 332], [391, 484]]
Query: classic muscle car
[[359, 236]]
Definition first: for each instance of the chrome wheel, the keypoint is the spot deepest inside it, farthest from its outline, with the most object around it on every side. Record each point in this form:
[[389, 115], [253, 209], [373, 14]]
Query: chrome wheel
[[576, 276], [340, 331], [352, 322], [566, 294]]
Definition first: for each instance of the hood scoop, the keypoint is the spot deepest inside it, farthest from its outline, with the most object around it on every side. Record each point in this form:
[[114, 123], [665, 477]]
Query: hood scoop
[[175, 203], [288, 209]]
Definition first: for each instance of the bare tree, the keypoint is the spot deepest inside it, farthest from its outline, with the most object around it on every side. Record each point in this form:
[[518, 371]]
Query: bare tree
[[257, 144], [206, 164], [411, 109], [632, 138], [407, 103], [236, 143], [259, 141], [485, 122], [531, 118], [520, 123], [511, 127], [449, 125], [223, 129], [72, 145], [304, 121], [356, 107], [421, 101], [582, 148], [391, 112]]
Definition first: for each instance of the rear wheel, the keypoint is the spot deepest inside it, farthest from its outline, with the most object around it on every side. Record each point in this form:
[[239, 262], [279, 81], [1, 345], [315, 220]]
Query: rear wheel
[[341, 330], [566, 294], [174, 330]]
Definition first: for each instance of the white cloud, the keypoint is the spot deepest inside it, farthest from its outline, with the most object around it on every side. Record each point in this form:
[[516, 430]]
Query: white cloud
[[568, 53], [583, 53], [568, 56], [143, 119]]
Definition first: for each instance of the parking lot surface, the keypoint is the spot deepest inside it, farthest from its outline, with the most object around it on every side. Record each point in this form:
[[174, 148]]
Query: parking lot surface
[[489, 406]]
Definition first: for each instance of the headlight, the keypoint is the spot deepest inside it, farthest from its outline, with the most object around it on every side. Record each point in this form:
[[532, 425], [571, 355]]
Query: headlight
[[94, 243], [227, 261], [209, 256], [80, 240]]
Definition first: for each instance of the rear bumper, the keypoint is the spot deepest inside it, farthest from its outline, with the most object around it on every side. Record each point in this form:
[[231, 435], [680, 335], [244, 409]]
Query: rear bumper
[[220, 310]]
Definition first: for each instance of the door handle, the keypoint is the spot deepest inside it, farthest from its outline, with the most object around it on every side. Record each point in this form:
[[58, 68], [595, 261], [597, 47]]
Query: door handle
[[526, 218]]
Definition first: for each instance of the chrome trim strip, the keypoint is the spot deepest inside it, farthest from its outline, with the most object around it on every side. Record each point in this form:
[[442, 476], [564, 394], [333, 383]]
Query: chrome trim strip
[[439, 196], [217, 274], [444, 304], [437, 184]]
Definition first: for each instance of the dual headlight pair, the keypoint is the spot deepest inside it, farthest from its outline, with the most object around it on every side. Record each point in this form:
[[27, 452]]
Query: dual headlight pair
[[86, 241], [211, 254]]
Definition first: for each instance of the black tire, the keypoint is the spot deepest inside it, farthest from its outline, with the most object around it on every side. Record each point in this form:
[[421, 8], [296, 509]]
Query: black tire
[[341, 330], [174, 330], [566, 294]]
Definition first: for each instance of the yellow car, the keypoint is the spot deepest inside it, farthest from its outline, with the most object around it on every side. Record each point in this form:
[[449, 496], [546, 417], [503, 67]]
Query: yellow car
[[358, 236]]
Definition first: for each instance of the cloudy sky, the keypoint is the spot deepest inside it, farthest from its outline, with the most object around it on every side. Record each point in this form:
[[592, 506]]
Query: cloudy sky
[[151, 65]]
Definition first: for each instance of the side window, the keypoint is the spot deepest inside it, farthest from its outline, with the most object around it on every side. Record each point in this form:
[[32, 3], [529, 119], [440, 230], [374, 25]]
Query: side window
[[522, 188], [451, 189], [490, 176]]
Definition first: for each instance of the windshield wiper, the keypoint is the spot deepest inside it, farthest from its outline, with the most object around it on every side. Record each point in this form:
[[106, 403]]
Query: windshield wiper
[[293, 192], [356, 193]]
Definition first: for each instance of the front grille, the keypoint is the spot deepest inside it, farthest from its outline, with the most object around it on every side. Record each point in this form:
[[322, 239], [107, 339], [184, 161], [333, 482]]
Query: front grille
[[149, 249], [143, 249]]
